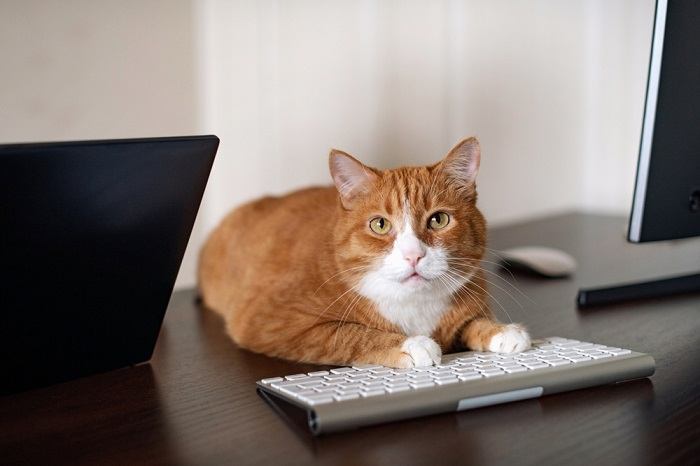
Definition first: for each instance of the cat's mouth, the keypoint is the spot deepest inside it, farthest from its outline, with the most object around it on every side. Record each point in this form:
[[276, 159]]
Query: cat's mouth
[[414, 278]]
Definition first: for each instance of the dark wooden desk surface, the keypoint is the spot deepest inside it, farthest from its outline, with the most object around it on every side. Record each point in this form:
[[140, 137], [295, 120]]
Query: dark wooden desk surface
[[195, 403]]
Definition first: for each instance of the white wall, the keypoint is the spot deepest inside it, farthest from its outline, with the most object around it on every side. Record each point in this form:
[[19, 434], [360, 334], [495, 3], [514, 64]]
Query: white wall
[[83, 69], [553, 89]]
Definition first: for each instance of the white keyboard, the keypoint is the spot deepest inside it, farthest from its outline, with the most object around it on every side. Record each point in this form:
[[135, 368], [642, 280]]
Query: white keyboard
[[554, 362]]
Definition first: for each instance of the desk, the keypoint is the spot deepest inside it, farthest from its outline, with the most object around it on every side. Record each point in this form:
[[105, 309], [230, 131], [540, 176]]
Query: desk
[[196, 403]]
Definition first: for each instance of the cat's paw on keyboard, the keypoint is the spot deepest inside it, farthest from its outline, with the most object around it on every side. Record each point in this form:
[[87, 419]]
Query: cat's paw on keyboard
[[421, 351], [513, 338]]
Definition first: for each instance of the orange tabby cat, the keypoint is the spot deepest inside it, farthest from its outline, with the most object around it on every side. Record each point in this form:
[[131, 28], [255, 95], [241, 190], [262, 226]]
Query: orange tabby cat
[[381, 269]]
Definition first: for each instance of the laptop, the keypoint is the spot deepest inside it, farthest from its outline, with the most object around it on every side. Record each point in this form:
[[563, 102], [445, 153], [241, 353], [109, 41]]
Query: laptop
[[93, 233]]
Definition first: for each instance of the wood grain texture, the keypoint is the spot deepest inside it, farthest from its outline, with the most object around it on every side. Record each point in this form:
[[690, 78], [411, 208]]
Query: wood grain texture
[[195, 403]]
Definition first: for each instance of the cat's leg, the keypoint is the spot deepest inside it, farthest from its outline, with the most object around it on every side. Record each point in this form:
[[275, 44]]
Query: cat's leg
[[332, 342], [483, 334]]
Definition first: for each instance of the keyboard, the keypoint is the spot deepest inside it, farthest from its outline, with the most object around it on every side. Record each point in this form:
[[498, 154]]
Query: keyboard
[[351, 397]]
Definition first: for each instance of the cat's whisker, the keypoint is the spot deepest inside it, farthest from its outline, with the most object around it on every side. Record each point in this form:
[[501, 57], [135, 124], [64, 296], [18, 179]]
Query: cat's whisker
[[345, 315], [487, 293], [481, 304], [459, 287], [449, 291], [456, 292], [360, 267], [510, 295], [493, 274], [352, 288]]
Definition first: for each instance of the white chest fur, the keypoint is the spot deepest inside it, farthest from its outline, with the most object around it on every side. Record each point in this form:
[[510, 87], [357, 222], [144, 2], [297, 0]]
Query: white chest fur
[[415, 313]]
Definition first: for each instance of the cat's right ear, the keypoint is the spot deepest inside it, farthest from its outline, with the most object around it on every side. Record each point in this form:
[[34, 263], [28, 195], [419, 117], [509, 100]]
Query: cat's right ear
[[351, 177]]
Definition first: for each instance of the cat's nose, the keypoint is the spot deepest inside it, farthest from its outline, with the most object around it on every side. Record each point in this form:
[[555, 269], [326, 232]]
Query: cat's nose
[[413, 256]]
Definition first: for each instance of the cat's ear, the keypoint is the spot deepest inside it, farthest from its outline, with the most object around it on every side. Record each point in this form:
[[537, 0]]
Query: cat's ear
[[462, 163], [351, 177]]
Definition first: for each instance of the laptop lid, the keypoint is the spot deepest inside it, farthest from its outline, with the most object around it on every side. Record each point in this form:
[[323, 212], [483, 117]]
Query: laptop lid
[[93, 233]]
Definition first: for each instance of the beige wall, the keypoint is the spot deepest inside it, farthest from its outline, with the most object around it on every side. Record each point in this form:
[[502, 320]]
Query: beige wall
[[77, 69], [553, 89], [85, 69]]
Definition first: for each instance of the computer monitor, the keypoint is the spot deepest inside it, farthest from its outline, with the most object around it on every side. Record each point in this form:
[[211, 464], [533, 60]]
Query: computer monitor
[[93, 233], [667, 192]]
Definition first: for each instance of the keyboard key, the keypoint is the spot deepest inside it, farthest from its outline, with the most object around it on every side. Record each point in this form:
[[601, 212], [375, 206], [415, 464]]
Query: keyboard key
[[342, 370], [317, 399], [535, 365], [284, 383], [485, 366], [351, 396], [370, 393], [401, 388], [515, 369], [396, 385], [467, 360], [352, 391], [618, 351], [448, 375], [509, 364], [364, 367], [296, 376], [447, 381], [579, 358], [464, 369], [347, 386], [305, 393], [558, 362], [397, 378], [373, 383], [271, 380], [318, 373], [492, 372], [600, 355], [467, 377], [293, 388], [418, 386], [325, 389]]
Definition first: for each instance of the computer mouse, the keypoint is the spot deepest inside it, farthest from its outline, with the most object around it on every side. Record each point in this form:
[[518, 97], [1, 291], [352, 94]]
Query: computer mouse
[[540, 260]]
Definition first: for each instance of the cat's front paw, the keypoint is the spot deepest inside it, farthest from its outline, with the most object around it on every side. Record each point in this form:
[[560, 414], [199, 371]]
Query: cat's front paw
[[512, 338], [420, 351]]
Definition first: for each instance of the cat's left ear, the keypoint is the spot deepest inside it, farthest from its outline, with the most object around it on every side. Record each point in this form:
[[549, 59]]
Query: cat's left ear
[[462, 162], [351, 177]]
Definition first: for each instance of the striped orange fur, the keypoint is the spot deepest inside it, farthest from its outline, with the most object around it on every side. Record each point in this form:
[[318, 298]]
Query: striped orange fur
[[296, 276]]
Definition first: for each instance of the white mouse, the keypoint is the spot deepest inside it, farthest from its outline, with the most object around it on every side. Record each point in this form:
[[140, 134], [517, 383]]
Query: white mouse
[[548, 262]]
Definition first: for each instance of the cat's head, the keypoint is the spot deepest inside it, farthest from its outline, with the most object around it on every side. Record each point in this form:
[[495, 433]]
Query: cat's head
[[409, 231]]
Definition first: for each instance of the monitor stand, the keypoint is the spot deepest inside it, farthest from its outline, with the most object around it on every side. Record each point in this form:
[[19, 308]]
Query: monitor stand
[[602, 296]]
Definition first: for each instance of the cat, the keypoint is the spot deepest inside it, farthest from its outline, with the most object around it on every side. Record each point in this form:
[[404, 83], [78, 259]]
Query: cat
[[383, 268]]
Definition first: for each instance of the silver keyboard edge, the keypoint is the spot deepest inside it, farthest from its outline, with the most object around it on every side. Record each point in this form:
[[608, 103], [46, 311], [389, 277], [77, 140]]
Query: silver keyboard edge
[[334, 417]]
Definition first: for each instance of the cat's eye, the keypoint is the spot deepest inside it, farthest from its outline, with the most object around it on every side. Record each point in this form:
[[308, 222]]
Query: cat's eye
[[438, 221], [380, 225]]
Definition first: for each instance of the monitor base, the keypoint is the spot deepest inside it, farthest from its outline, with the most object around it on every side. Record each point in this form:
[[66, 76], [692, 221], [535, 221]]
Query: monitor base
[[602, 296]]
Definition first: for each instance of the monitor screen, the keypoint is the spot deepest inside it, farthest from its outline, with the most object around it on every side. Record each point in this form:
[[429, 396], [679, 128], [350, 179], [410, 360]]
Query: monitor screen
[[667, 192]]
